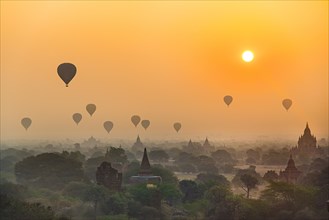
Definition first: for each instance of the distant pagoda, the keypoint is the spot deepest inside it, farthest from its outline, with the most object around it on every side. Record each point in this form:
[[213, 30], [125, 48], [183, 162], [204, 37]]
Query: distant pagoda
[[306, 143], [207, 146], [291, 173], [138, 145]]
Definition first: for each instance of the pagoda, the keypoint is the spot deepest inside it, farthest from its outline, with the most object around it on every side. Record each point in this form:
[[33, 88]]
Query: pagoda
[[109, 177], [138, 145], [207, 147], [291, 173], [306, 143], [145, 174]]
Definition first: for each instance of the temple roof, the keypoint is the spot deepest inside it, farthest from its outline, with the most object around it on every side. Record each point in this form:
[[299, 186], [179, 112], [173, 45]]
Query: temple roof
[[291, 165], [206, 142], [190, 144], [138, 145], [145, 168], [138, 140], [307, 130]]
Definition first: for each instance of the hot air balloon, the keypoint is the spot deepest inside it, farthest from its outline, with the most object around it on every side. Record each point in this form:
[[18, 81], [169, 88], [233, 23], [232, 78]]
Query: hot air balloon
[[135, 119], [177, 126], [145, 124], [26, 122], [108, 125], [67, 72], [286, 103], [77, 117], [91, 108], [228, 99]]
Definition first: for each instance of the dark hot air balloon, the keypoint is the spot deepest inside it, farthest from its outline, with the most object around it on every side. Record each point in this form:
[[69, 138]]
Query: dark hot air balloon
[[145, 124], [108, 125], [66, 72], [77, 117], [177, 126], [286, 103], [91, 108], [26, 122], [228, 99], [135, 119]]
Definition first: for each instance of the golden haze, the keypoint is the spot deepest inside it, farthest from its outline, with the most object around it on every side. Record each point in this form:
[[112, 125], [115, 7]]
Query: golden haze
[[166, 61]]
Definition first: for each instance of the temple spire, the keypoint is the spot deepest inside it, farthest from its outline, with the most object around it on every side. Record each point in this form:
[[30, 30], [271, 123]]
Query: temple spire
[[145, 169], [190, 144], [138, 140]]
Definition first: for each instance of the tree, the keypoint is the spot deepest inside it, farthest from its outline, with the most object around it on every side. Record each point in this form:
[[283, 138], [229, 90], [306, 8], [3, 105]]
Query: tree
[[167, 175], [222, 157], [187, 167], [48, 170], [75, 189], [134, 209], [116, 155], [159, 156], [206, 164], [12, 208], [249, 182], [222, 204], [131, 170], [150, 213], [273, 157], [250, 171], [190, 190], [289, 196], [253, 154], [16, 191], [76, 155], [170, 193], [146, 196], [184, 158], [95, 194], [271, 175], [115, 204], [209, 180]]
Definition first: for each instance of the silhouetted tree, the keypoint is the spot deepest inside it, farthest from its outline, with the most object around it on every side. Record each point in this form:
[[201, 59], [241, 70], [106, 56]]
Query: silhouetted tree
[[271, 175], [48, 170], [250, 171], [95, 194], [190, 190], [11, 208], [249, 182], [222, 204], [116, 155], [222, 157], [210, 180]]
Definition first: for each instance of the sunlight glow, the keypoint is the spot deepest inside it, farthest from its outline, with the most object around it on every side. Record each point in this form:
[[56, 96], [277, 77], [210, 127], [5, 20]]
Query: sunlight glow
[[247, 56]]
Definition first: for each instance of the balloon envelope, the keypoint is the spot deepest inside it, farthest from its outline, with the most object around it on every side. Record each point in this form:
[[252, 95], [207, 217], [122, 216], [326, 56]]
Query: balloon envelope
[[145, 124], [177, 126], [286, 103], [228, 99], [91, 108], [26, 122], [77, 117], [135, 119], [108, 125], [66, 72]]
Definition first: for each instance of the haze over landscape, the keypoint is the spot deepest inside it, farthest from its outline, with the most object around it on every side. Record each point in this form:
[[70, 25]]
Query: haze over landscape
[[164, 110], [166, 61]]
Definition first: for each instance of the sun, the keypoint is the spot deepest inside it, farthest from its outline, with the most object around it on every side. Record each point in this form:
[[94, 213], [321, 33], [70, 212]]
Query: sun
[[247, 56]]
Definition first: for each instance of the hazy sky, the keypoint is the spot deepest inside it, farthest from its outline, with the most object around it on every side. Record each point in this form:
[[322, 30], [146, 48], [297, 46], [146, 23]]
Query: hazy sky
[[166, 61]]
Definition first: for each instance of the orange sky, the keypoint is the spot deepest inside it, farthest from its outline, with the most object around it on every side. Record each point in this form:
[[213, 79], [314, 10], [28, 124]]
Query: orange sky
[[166, 61]]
